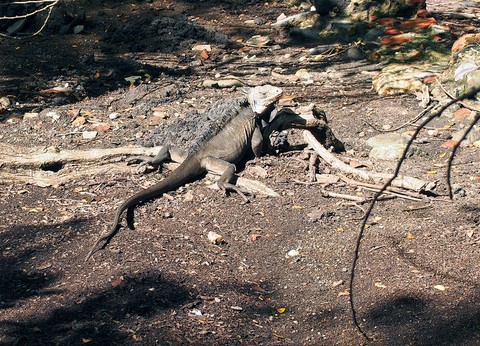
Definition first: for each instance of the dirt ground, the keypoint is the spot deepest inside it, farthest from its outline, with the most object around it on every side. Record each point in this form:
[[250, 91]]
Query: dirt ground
[[417, 279]]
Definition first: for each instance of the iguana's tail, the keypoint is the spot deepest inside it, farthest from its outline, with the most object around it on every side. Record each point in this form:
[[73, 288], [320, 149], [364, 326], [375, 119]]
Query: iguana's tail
[[188, 170]]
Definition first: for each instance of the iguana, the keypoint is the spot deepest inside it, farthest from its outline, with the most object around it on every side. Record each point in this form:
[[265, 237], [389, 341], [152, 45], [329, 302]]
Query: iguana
[[221, 151]]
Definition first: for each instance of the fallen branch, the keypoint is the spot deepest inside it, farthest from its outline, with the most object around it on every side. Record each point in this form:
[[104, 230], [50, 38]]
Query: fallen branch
[[376, 188], [50, 167], [405, 182]]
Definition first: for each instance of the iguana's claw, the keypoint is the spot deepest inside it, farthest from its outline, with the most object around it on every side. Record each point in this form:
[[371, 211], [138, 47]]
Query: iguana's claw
[[141, 167]]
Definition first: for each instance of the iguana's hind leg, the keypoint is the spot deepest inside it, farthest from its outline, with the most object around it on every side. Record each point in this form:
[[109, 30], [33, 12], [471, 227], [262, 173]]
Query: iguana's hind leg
[[224, 182], [166, 153]]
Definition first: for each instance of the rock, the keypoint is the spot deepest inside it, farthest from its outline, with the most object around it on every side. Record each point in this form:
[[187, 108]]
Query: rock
[[472, 137], [54, 115], [355, 53], [202, 47], [258, 41], [401, 78], [303, 74], [5, 102], [30, 115], [389, 146], [462, 75], [89, 134], [293, 253], [77, 29], [215, 238]]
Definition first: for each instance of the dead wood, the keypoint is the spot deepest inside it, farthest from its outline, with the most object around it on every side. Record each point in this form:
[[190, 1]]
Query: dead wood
[[52, 166], [405, 182]]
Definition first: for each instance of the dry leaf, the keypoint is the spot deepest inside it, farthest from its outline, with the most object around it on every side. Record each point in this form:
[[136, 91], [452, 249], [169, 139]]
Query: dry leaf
[[203, 54], [118, 282], [449, 144], [281, 310], [410, 235], [380, 285], [439, 287], [255, 237]]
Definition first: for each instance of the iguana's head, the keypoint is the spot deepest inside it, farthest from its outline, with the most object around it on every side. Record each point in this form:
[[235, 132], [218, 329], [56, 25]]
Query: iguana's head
[[263, 97]]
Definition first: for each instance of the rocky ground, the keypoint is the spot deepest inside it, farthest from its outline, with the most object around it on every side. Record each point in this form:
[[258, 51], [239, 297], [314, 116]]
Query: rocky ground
[[281, 275]]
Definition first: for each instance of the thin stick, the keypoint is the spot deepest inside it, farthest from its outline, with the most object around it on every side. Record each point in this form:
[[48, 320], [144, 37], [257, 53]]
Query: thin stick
[[454, 151], [411, 122], [432, 116]]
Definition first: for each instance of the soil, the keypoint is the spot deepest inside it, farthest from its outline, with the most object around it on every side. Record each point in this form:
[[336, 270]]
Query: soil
[[416, 283]]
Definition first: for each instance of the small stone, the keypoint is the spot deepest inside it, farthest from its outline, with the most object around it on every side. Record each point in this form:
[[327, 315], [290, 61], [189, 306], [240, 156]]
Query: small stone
[[5, 102], [158, 112], [433, 133], [355, 53], [303, 74], [54, 115], [258, 41], [188, 196], [202, 47], [389, 146], [113, 116], [237, 308], [30, 115], [215, 238], [293, 253], [89, 134], [78, 29]]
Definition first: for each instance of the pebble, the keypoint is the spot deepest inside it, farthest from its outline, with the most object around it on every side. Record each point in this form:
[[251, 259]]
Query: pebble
[[78, 29], [5, 102], [113, 116], [54, 115], [30, 115], [293, 253], [215, 238], [89, 134], [389, 146]]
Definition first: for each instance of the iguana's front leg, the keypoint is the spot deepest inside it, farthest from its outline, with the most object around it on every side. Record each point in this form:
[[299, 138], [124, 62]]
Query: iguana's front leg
[[228, 172], [257, 142]]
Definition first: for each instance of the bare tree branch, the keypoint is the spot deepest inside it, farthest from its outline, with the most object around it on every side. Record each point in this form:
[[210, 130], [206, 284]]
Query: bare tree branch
[[469, 94]]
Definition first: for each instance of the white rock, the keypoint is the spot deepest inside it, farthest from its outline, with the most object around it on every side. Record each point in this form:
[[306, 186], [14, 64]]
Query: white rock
[[89, 134], [389, 146], [293, 253], [215, 238]]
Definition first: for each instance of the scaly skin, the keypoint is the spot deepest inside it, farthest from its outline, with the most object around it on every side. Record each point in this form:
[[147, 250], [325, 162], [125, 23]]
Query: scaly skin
[[224, 149]]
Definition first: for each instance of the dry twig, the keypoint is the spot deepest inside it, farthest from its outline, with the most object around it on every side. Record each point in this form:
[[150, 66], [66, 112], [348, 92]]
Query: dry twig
[[439, 111]]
